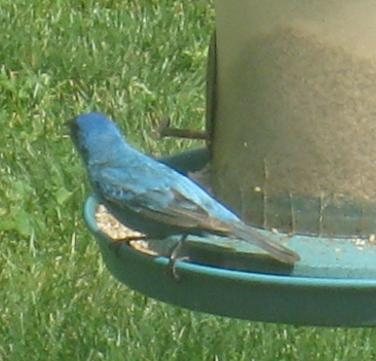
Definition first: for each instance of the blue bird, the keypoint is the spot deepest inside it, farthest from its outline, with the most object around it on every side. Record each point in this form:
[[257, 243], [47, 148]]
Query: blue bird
[[152, 198]]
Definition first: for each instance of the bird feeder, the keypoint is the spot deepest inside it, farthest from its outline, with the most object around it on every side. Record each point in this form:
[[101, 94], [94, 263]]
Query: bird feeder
[[291, 123]]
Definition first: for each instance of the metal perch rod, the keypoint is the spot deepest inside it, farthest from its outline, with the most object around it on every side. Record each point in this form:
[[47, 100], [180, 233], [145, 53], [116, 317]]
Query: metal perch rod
[[165, 130]]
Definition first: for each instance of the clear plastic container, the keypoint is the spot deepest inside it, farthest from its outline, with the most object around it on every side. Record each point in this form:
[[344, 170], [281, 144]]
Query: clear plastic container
[[295, 136]]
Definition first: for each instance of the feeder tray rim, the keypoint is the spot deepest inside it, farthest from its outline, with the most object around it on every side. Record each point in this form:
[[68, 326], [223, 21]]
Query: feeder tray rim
[[292, 299]]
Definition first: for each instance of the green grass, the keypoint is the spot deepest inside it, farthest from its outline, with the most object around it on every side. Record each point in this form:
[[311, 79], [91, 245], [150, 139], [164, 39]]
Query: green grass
[[137, 63]]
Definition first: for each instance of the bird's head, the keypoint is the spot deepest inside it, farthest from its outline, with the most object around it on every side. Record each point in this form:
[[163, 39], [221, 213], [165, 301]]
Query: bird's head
[[93, 135]]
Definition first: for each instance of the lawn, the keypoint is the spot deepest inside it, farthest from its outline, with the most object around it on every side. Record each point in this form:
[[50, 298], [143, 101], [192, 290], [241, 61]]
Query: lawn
[[137, 63]]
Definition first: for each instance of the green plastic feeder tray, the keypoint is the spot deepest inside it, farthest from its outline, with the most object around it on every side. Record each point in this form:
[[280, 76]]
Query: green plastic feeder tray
[[334, 284]]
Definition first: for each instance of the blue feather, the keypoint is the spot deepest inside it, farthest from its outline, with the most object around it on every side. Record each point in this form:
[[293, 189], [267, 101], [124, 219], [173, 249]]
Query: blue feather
[[151, 197]]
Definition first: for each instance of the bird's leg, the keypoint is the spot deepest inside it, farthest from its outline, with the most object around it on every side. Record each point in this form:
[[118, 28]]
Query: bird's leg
[[174, 256]]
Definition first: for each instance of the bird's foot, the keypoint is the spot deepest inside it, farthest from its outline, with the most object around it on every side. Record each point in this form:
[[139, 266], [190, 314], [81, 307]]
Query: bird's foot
[[172, 265], [175, 257]]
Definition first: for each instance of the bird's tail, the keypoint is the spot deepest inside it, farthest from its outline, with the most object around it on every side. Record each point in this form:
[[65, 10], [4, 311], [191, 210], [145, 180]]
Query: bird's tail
[[252, 236]]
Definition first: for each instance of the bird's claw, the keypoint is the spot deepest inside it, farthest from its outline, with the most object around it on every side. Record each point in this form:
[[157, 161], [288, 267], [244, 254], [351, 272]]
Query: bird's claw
[[174, 258], [172, 265]]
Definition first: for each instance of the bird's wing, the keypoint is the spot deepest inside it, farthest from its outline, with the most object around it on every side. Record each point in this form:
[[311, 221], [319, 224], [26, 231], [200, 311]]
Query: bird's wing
[[160, 201], [176, 202], [183, 212]]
